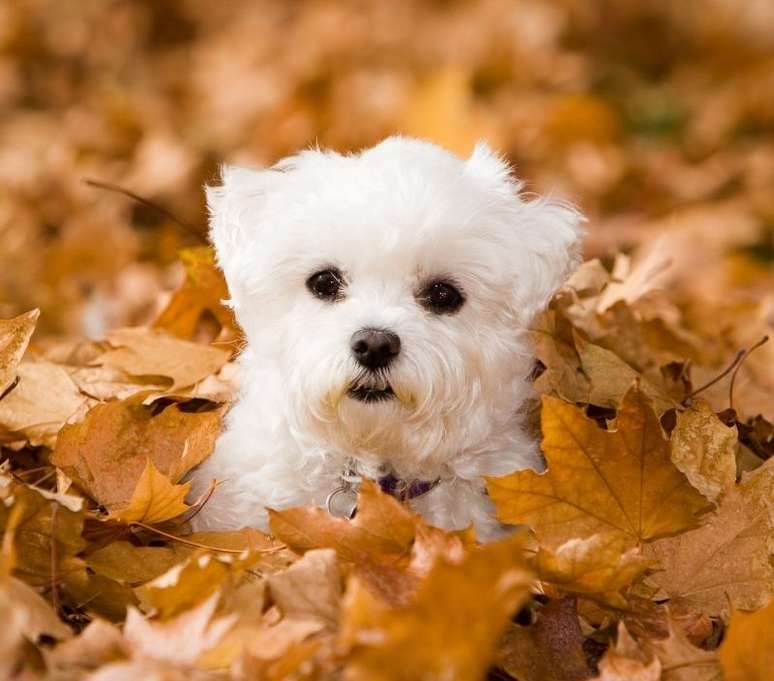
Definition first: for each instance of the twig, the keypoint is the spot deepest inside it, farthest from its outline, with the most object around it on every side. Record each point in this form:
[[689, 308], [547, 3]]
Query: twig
[[146, 202], [737, 359], [54, 559], [150, 528], [201, 503], [746, 354]]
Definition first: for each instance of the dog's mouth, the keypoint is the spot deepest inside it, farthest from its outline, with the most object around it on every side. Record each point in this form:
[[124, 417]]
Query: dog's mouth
[[371, 393]]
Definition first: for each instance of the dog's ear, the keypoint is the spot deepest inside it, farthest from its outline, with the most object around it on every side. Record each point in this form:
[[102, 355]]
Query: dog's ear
[[229, 205], [546, 233]]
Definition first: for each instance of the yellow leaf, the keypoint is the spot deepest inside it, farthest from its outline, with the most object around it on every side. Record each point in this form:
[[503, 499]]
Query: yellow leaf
[[154, 500], [449, 630], [704, 448], [599, 565], [728, 558], [620, 481], [15, 334], [747, 651]]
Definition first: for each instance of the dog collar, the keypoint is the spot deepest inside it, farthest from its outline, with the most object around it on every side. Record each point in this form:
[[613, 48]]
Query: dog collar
[[342, 501]]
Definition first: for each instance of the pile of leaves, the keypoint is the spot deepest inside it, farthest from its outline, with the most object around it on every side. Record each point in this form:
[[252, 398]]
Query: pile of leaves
[[645, 552]]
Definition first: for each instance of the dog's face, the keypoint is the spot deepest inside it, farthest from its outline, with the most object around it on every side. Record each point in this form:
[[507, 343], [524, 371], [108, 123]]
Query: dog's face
[[392, 290]]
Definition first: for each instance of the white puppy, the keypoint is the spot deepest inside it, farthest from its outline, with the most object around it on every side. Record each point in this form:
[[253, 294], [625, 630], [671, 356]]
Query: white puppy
[[385, 297]]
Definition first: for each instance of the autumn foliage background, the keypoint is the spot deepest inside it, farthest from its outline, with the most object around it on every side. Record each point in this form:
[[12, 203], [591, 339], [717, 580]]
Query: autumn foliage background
[[649, 554]]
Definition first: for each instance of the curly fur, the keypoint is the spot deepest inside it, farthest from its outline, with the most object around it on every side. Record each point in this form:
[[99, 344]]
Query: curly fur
[[390, 218]]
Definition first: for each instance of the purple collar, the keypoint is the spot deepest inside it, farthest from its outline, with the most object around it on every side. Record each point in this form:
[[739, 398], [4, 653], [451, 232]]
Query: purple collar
[[404, 490]]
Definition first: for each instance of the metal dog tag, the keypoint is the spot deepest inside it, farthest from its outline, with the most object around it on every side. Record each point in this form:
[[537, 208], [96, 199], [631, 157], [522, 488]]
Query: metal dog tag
[[342, 502]]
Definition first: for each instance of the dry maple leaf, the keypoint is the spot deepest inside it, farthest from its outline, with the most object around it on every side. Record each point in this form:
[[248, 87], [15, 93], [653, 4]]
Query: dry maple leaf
[[704, 449], [145, 352], [15, 335], [154, 500], [451, 627], [98, 644], [201, 293], [107, 452], [548, 650], [620, 481], [729, 556], [747, 651], [627, 661], [600, 566], [683, 661], [382, 526], [310, 587], [44, 399]]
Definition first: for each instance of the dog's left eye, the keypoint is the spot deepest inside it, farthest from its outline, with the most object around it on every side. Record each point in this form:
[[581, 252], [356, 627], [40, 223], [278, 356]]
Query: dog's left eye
[[326, 284], [441, 297]]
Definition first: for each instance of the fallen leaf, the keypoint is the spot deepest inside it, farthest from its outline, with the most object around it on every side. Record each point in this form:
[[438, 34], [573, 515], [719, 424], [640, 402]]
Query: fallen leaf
[[15, 335], [600, 565], [182, 640], [309, 588], [450, 629], [551, 649], [145, 352], [627, 661], [747, 651], [134, 565], [98, 644], [106, 453], [382, 526], [683, 661], [44, 399], [154, 500], [728, 557], [704, 449], [35, 616], [620, 481]]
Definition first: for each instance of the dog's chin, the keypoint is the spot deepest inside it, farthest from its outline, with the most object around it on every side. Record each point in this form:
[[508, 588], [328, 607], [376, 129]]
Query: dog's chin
[[371, 394]]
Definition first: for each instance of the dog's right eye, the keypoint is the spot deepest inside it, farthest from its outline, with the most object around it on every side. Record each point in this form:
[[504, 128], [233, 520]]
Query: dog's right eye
[[326, 285]]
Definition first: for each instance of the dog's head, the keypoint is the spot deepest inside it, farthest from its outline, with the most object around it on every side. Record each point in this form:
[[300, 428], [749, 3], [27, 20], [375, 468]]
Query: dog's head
[[392, 289]]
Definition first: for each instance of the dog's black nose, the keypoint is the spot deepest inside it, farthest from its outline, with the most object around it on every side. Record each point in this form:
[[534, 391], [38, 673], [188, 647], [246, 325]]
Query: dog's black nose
[[374, 348]]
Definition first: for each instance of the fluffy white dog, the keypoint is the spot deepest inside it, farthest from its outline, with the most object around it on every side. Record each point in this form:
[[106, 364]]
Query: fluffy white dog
[[385, 297]]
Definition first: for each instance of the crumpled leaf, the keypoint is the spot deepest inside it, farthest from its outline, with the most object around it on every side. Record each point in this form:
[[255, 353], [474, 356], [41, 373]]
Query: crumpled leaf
[[15, 335], [681, 660], [44, 399], [34, 616], [548, 650], [145, 352], [154, 500], [600, 565], [627, 661], [107, 452], [432, 637], [382, 526], [704, 449], [729, 556], [620, 481], [100, 643], [747, 651], [309, 588]]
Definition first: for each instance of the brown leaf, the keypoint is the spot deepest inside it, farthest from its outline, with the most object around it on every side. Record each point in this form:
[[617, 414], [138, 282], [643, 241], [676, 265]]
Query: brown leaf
[[98, 644], [620, 481], [36, 617], [683, 661], [107, 452], [433, 637], [548, 650], [627, 661], [705, 450], [41, 403], [182, 640], [728, 557], [144, 352], [15, 335], [600, 565], [155, 499], [382, 526], [747, 651], [134, 565], [309, 588]]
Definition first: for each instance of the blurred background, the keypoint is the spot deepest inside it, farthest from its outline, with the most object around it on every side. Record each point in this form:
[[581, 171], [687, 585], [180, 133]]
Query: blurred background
[[656, 118]]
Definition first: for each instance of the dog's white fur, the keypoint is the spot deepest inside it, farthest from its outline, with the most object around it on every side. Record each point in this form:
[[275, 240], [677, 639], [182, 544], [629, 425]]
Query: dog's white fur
[[390, 219]]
